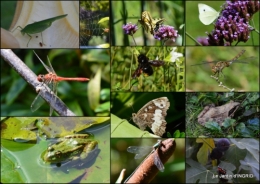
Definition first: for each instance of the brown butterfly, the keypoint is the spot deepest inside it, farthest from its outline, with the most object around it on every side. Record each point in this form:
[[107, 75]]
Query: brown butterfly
[[153, 115]]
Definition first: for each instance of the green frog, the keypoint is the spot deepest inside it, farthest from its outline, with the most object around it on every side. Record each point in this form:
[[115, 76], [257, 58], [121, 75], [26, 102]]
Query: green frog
[[70, 147]]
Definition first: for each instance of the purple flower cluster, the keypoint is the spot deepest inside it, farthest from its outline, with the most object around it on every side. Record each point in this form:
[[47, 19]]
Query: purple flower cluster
[[130, 28], [166, 32], [233, 24], [203, 41]]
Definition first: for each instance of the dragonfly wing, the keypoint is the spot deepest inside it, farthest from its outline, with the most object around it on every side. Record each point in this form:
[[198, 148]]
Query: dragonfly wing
[[50, 70], [140, 151], [245, 60], [53, 86], [158, 162], [37, 103]]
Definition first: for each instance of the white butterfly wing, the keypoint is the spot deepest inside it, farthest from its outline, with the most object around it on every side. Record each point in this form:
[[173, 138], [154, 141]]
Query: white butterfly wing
[[207, 14]]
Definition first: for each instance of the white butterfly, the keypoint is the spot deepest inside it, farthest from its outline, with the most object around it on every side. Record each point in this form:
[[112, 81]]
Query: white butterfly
[[207, 14]]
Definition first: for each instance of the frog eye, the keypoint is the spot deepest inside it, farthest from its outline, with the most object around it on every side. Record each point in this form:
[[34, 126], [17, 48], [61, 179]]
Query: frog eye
[[50, 148], [58, 154]]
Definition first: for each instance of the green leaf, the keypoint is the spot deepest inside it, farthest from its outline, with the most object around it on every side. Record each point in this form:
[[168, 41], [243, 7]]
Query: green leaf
[[105, 94], [9, 172], [94, 90], [14, 129], [182, 135], [202, 155], [105, 19], [213, 126], [244, 131], [229, 122], [16, 88], [176, 134], [197, 171], [103, 107], [122, 128]]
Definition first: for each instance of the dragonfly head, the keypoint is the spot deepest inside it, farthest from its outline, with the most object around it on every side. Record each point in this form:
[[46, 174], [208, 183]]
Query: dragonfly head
[[40, 78]]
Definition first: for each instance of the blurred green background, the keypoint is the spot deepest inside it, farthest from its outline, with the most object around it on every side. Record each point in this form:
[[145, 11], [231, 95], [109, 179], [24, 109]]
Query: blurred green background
[[7, 13], [242, 77], [196, 29], [17, 95], [120, 159], [130, 11]]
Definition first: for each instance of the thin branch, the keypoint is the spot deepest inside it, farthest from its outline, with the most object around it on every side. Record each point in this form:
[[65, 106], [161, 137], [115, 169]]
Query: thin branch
[[221, 83], [146, 171], [28, 75]]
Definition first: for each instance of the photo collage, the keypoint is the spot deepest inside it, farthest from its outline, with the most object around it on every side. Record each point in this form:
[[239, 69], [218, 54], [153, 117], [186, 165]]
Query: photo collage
[[113, 91]]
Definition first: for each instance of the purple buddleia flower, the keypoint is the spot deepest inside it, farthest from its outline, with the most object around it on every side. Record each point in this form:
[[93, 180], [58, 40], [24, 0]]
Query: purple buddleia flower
[[166, 32], [130, 28], [233, 23]]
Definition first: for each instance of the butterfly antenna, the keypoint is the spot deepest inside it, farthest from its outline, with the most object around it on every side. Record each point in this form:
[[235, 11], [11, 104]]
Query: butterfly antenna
[[133, 111], [177, 125]]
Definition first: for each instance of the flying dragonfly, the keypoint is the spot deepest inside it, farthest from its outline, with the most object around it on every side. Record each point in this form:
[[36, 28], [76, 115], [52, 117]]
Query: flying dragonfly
[[220, 65]]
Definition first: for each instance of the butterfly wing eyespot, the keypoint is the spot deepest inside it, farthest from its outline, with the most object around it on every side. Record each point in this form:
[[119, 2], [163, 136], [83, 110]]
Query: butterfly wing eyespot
[[207, 14]]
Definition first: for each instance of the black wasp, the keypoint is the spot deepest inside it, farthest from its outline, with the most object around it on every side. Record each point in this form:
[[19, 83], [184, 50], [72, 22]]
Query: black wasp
[[145, 64]]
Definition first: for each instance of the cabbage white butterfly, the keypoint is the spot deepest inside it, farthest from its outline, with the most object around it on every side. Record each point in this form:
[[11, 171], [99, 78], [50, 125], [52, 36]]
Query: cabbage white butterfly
[[207, 14]]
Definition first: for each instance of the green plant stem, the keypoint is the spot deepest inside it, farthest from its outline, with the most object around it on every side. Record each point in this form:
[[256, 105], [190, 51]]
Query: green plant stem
[[193, 38]]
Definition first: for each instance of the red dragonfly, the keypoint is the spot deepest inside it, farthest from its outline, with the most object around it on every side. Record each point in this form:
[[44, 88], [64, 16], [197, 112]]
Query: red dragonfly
[[51, 80], [219, 66]]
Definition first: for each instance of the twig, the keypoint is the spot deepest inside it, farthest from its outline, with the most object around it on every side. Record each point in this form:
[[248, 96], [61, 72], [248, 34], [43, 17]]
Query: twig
[[221, 84], [146, 171], [28, 75]]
